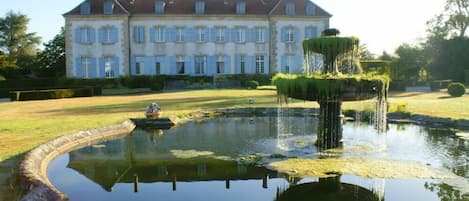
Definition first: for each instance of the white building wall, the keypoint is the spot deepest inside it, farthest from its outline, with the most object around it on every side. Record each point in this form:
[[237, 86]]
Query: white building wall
[[297, 50], [97, 49]]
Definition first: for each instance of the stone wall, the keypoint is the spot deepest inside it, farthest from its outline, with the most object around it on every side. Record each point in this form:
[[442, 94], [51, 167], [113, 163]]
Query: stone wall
[[32, 170]]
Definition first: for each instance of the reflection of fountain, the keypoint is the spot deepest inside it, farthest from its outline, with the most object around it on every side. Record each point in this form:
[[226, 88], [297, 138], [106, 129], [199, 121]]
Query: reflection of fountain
[[331, 88], [327, 189]]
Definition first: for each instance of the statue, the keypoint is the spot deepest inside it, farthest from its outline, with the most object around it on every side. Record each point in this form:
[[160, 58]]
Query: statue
[[153, 111]]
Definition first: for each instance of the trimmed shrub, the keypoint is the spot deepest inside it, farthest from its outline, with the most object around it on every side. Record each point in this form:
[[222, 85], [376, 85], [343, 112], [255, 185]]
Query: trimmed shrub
[[54, 93], [2, 78], [456, 89], [251, 84], [156, 86]]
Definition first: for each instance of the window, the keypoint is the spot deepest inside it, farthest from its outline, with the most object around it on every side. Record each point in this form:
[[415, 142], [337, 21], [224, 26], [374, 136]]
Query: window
[[242, 64], [85, 35], [138, 68], [259, 64], [85, 8], [310, 32], [179, 34], [108, 67], [86, 67], [158, 67], [159, 7], [240, 34], [310, 9], [199, 7], [290, 35], [200, 34], [260, 35], [108, 7], [139, 34], [240, 7], [290, 9], [180, 64], [288, 63], [107, 35], [220, 34], [220, 64], [159, 34], [200, 64]]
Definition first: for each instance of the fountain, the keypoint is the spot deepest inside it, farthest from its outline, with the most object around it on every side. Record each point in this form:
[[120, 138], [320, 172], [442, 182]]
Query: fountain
[[331, 87]]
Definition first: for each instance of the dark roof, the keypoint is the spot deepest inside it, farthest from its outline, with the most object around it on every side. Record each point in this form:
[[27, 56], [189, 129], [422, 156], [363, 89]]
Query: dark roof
[[187, 7]]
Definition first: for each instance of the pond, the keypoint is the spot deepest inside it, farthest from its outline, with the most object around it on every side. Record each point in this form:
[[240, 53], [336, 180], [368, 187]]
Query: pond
[[215, 159]]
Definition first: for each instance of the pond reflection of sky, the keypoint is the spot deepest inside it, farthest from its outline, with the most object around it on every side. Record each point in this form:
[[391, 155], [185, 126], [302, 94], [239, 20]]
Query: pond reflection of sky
[[105, 172]]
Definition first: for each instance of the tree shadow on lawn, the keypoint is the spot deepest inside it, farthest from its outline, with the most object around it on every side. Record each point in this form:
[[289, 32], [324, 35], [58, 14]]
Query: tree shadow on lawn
[[166, 104], [10, 187]]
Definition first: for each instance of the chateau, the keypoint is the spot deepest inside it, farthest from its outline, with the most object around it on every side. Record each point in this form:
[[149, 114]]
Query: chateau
[[112, 38]]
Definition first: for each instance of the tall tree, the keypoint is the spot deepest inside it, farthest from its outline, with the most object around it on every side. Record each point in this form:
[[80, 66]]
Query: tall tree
[[14, 39], [409, 64], [52, 58], [453, 22]]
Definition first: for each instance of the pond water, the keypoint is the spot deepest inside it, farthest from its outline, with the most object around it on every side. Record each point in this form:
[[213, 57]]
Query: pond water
[[213, 160]]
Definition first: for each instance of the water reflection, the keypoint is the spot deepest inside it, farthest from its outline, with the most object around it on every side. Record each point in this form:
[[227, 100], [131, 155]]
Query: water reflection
[[195, 161], [327, 189]]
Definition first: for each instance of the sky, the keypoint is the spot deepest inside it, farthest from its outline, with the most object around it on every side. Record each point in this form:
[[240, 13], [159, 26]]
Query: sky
[[382, 25]]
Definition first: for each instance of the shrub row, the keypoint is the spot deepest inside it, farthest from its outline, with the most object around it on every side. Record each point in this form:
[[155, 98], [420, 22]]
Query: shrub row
[[54, 93]]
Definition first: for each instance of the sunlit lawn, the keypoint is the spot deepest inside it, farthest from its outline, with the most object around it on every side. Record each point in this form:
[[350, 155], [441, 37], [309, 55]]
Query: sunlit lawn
[[24, 125]]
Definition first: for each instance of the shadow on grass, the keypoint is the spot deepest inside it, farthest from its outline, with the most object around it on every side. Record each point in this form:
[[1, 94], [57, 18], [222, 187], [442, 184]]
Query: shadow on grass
[[167, 104]]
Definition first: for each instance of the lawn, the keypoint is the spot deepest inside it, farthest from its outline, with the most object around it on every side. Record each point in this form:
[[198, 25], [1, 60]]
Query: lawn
[[24, 125]]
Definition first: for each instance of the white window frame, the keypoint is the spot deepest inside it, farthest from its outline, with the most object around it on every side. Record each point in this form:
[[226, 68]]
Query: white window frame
[[159, 31], [109, 67], [138, 31], [180, 63], [201, 34], [179, 34], [220, 64], [242, 64], [260, 34], [139, 66], [220, 34], [290, 35], [86, 67], [107, 34], [240, 34], [200, 63], [260, 65], [84, 35]]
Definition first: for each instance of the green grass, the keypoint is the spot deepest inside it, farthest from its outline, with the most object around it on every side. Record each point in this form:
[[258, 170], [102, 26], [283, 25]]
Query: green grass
[[24, 125]]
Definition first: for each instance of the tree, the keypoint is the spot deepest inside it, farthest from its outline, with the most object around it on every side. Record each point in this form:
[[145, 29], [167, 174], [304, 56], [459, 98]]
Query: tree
[[364, 53], [52, 58], [453, 22], [409, 64], [452, 61], [14, 40]]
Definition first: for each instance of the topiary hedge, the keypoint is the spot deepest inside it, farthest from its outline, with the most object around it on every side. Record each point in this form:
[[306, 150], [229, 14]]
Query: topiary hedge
[[456, 89], [251, 84], [54, 93]]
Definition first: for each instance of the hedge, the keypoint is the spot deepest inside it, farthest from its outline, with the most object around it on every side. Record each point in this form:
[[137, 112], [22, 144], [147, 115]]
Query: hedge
[[54, 93]]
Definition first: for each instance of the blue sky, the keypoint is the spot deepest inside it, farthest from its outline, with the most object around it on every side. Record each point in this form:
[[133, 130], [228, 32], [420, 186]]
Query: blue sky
[[381, 24]]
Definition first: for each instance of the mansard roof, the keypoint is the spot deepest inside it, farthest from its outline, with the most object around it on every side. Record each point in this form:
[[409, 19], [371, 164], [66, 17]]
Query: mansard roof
[[212, 7]]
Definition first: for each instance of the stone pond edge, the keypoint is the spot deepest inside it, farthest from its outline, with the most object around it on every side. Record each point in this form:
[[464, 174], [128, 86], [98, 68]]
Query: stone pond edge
[[32, 169]]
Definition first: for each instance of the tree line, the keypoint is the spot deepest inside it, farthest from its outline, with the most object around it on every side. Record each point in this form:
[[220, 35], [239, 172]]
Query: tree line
[[19, 53], [442, 55]]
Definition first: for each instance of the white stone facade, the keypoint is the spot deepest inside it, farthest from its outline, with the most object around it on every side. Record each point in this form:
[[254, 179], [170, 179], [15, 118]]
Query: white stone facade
[[99, 46]]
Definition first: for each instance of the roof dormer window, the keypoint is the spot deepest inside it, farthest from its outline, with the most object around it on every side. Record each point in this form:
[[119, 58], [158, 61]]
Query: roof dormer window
[[85, 8], [108, 7], [290, 9], [241, 7], [199, 7], [159, 6], [310, 9]]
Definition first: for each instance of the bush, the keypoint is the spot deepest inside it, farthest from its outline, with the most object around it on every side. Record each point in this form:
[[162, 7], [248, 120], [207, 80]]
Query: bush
[[456, 89], [2, 78], [156, 86], [54, 93], [252, 84]]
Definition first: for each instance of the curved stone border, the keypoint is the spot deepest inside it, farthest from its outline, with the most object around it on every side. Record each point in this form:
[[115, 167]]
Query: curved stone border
[[33, 168]]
